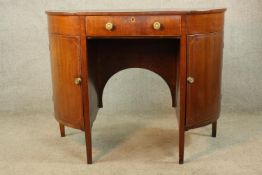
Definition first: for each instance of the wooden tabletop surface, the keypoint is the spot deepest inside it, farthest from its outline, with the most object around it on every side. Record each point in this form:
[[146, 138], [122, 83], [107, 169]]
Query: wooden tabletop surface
[[135, 12]]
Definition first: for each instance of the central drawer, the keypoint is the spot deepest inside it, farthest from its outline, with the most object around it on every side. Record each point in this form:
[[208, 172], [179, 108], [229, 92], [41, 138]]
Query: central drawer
[[99, 26]]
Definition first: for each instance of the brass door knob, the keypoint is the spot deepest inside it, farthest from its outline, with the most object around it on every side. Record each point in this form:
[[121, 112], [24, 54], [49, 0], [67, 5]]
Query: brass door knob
[[78, 81], [190, 80], [156, 25], [109, 26]]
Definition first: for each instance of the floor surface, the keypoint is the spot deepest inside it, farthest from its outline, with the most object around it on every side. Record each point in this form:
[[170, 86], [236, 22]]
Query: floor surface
[[130, 143]]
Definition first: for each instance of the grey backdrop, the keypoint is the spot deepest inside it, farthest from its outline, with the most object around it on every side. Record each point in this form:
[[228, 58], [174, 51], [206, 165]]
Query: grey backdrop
[[25, 84]]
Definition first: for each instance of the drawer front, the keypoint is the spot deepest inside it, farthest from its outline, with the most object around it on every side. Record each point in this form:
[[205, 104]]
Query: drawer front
[[133, 25], [64, 25], [205, 23]]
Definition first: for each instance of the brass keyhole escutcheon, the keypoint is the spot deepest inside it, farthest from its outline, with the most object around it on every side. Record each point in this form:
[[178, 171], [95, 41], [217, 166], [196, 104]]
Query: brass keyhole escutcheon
[[78, 81], [133, 19], [190, 80]]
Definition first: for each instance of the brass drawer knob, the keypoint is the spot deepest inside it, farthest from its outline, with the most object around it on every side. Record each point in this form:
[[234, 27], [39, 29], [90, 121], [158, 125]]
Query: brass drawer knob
[[190, 80], [78, 81], [109, 26], [156, 25]]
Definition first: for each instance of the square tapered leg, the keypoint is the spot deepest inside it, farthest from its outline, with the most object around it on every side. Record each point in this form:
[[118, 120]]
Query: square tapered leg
[[181, 146], [62, 130]]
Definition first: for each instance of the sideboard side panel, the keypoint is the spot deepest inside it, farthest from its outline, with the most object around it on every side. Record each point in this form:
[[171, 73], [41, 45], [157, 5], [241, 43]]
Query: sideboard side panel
[[204, 64], [65, 67]]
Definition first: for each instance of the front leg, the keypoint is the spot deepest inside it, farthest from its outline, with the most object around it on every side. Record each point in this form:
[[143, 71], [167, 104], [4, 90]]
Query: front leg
[[62, 130]]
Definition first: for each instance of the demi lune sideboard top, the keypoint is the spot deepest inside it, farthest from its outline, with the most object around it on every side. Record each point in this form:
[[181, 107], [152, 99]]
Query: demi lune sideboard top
[[196, 22], [136, 12]]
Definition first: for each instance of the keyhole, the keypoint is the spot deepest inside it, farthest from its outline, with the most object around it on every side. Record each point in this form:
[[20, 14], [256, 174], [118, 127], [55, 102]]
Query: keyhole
[[133, 19]]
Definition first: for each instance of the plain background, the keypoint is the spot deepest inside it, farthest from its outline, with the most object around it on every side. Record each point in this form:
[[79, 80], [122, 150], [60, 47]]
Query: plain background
[[25, 80], [137, 103]]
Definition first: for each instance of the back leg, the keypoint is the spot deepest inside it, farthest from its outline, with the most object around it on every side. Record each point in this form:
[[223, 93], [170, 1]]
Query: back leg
[[214, 129]]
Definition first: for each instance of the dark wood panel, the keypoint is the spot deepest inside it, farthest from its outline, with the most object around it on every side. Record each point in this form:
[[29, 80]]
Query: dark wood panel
[[113, 55], [205, 23], [204, 64], [65, 66], [133, 25]]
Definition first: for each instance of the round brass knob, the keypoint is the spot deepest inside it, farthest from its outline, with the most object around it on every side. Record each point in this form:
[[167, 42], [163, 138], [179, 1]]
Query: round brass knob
[[190, 80], [109, 26], [78, 81], [156, 25]]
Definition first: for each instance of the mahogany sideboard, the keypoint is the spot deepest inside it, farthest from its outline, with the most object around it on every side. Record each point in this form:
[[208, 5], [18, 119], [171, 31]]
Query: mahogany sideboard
[[184, 47]]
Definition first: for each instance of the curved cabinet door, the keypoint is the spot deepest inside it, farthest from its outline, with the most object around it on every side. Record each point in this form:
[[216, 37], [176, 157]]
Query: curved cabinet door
[[204, 66], [66, 67]]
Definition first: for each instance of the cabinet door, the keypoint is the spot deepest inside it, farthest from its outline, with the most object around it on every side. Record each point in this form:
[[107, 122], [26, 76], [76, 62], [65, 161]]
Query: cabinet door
[[204, 64], [65, 67]]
